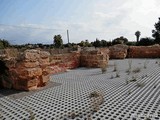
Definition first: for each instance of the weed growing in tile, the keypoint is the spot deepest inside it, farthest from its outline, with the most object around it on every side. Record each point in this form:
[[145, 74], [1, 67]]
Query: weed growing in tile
[[127, 81], [145, 64], [134, 78], [111, 77], [129, 66], [117, 74], [137, 70], [129, 92], [72, 115], [104, 68], [115, 67], [1, 117], [97, 98], [89, 118], [158, 62], [140, 84], [147, 118], [32, 115]]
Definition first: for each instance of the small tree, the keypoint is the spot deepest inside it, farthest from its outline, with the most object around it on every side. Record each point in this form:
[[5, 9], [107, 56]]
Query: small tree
[[137, 34], [156, 32], [104, 43], [58, 42], [120, 40], [97, 43], [146, 41], [4, 44]]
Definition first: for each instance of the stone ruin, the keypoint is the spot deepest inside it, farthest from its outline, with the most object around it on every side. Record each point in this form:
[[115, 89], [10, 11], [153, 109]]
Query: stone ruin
[[31, 69], [25, 71]]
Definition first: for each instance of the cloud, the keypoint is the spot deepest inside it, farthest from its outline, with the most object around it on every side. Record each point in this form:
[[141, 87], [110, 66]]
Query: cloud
[[104, 20]]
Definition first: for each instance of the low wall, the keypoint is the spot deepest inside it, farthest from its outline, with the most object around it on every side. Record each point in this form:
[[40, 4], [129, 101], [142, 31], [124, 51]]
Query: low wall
[[27, 71], [93, 58], [118, 51], [144, 51], [31, 69], [62, 62]]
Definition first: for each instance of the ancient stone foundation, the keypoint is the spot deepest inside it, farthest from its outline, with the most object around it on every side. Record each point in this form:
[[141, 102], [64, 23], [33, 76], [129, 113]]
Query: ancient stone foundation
[[118, 51], [62, 62], [93, 58], [31, 69], [144, 51], [27, 71]]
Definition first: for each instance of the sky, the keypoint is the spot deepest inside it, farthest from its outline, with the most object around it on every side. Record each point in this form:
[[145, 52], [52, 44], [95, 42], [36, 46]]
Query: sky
[[37, 21]]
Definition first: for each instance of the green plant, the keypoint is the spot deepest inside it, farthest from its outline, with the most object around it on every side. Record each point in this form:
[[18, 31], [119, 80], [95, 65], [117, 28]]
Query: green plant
[[137, 34]]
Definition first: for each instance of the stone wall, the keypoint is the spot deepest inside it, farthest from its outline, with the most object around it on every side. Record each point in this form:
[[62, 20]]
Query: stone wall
[[28, 71], [31, 69], [144, 51], [62, 62], [118, 51], [93, 58]]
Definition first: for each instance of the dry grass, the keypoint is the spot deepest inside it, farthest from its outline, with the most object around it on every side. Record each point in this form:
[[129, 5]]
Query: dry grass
[[127, 81], [111, 77], [134, 79], [145, 64], [97, 98], [140, 84], [137, 70], [129, 66], [103, 67], [117, 74], [32, 115], [115, 67]]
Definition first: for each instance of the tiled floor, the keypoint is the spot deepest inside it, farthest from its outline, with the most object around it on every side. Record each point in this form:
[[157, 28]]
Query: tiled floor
[[137, 100]]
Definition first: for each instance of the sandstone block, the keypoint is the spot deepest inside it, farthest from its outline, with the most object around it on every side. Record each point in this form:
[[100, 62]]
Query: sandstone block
[[31, 55], [44, 54]]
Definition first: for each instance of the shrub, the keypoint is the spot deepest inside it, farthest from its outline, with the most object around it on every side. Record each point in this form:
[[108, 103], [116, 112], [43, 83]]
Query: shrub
[[137, 70], [117, 74], [130, 66], [140, 84], [145, 64], [115, 67], [97, 98]]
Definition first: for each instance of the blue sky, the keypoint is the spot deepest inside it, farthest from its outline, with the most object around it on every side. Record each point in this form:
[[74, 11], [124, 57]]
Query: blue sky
[[37, 21]]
